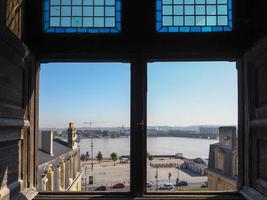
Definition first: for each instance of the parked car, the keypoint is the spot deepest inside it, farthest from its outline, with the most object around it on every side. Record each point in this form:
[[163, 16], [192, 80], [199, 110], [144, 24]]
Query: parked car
[[166, 186], [148, 184], [101, 188], [205, 184], [118, 185], [181, 183]]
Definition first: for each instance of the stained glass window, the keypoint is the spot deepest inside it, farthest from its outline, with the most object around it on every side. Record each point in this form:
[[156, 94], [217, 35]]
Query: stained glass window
[[82, 16], [194, 15]]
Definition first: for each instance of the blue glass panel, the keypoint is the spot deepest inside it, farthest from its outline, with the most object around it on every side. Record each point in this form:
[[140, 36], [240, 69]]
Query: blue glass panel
[[173, 29], [99, 2], [46, 17], [77, 11], [222, 9], [54, 21], [200, 10], [195, 29], [189, 21], [110, 11], [200, 2], [46, 5], [66, 2], [110, 2], [109, 22], [206, 29], [211, 10], [167, 10], [88, 2], [82, 16], [188, 1], [88, 11], [222, 20], [55, 11], [178, 21], [66, 21], [211, 1], [99, 11], [88, 22], [185, 29], [178, 10], [200, 20], [66, 11], [193, 15], [167, 1], [167, 21], [178, 1], [211, 20], [55, 2], [222, 1], [77, 2], [189, 10]]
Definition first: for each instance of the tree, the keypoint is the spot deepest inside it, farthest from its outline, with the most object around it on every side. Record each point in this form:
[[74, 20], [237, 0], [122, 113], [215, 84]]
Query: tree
[[150, 158], [87, 156], [114, 157], [83, 157], [99, 157]]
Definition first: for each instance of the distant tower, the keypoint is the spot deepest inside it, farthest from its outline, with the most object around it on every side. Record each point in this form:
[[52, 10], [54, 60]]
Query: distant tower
[[122, 129], [72, 136]]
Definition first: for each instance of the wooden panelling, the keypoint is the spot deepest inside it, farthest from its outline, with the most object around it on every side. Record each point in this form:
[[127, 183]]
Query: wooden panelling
[[262, 85], [262, 159], [255, 126], [17, 116], [9, 162]]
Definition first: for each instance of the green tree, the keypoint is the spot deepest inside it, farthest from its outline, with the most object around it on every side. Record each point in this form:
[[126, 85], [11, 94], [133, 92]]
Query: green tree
[[150, 158], [114, 157], [83, 157], [87, 156], [99, 157]]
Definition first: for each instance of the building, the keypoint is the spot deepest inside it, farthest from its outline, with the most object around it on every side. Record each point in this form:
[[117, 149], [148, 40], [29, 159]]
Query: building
[[223, 161], [198, 166], [59, 162], [209, 130]]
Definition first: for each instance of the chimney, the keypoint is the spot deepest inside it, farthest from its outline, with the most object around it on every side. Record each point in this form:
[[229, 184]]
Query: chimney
[[227, 136], [47, 142], [72, 136]]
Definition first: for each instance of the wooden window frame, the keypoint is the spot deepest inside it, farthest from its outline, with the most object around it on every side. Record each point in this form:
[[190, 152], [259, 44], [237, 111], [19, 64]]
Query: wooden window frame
[[138, 155]]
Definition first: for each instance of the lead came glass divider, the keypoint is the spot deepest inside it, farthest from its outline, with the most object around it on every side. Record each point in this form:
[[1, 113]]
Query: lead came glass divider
[[194, 15], [82, 16]]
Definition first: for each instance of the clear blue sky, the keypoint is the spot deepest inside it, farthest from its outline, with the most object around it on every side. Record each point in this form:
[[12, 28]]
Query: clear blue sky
[[179, 94]]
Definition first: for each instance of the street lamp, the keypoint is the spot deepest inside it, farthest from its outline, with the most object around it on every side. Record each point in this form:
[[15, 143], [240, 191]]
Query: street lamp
[[156, 177]]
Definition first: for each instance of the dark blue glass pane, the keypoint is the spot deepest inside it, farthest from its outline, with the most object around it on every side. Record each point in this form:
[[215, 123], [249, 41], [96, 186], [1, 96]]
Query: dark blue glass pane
[[193, 15], [82, 16]]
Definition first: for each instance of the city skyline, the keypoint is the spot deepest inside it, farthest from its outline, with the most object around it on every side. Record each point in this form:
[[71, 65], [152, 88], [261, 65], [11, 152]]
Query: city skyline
[[178, 94]]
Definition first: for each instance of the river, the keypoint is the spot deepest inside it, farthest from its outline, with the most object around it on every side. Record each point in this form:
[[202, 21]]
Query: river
[[189, 147]]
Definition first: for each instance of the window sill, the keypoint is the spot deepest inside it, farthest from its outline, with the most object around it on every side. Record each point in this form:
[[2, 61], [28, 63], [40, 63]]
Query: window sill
[[180, 196]]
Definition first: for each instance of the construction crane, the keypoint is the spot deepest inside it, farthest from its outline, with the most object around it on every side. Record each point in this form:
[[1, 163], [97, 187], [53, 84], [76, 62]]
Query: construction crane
[[92, 142]]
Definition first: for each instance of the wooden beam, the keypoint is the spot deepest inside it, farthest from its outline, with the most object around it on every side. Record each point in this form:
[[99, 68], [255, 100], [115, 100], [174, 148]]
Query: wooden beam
[[138, 126]]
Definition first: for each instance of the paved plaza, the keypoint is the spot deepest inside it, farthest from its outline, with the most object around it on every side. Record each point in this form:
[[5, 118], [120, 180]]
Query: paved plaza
[[108, 174]]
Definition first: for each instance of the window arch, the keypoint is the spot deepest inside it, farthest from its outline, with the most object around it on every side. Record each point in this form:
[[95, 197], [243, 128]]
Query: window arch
[[235, 163], [50, 178], [219, 159]]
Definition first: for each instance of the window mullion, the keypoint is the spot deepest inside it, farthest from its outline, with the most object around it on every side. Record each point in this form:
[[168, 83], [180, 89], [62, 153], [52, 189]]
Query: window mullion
[[138, 126]]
